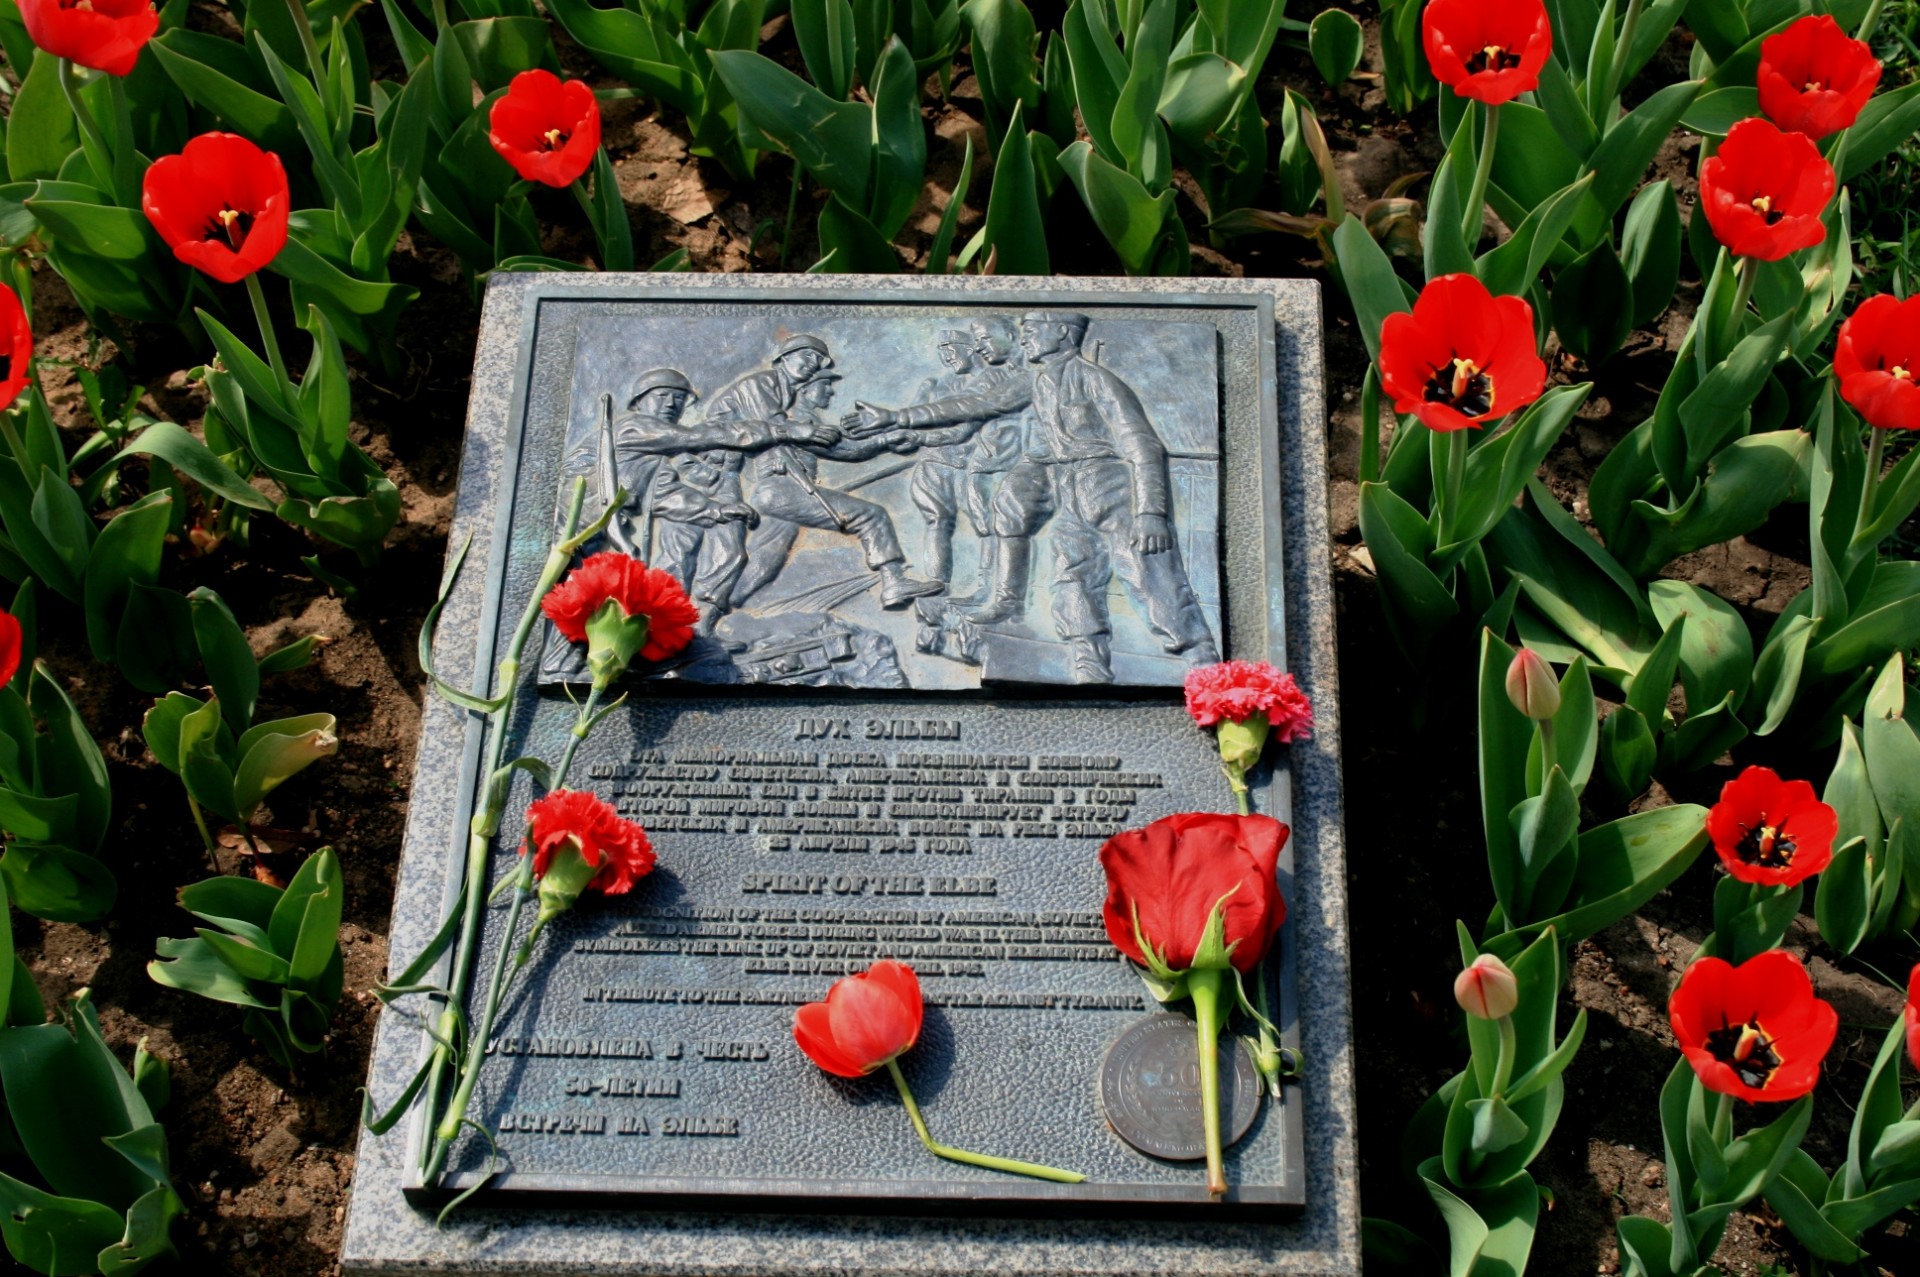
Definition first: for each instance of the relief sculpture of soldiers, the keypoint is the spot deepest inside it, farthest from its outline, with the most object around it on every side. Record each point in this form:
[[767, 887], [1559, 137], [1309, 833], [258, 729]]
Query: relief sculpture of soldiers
[[879, 503]]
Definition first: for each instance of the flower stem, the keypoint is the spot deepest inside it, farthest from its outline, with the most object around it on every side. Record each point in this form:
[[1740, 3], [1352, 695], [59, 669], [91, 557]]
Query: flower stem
[[1723, 1120], [1456, 479], [581, 727], [1272, 1059], [1616, 71], [303, 26], [952, 1154], [1475, 215], [1204, 986], [1509, 1048], [496, 992], [258, 296], [1870, 23], [1545, 727], [200, 820], [1870, 483], [127, 166]]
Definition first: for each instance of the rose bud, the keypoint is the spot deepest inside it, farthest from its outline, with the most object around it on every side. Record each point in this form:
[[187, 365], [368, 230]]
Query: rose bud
[[580, 843], [1487, 990], [619, 607], [1755, 1031], [1531, 685], [1771, 832]]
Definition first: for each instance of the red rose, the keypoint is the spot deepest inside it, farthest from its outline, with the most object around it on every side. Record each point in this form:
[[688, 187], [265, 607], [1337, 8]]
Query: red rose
[[1164, 883], [1755, 1031], [616, 849], [1771, 832], [867, 1020], [16, 348], [547, 128], [1876, 358], [11, 643], [1463, 357], [1814, 77], [1763, 191], [640, 591], [1488, 50], [1913, 1015], [1236, 690], [105, 35], [221, 205]]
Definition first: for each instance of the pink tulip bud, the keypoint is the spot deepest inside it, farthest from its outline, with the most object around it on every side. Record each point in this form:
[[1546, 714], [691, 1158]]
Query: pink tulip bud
[[1487, 990], [1531, 685]]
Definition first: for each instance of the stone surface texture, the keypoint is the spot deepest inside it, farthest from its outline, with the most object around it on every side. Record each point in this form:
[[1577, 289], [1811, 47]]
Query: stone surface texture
[[385, 1235]]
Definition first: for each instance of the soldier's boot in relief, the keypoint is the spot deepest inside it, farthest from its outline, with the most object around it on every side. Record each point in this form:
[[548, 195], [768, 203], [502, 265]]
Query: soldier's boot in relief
[[1199, 653], [1012, 563], [989, 556], [897, 589], [940, 551], [1092, 659]]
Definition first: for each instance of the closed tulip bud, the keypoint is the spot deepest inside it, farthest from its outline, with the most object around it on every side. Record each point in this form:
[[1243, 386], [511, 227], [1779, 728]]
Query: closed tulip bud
[[1487, 990], [1531, 685]]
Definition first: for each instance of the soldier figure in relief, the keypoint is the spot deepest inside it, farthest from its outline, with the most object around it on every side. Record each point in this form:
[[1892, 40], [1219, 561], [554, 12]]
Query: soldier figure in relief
[[938, 482], [1007, 476], [1108, 485]]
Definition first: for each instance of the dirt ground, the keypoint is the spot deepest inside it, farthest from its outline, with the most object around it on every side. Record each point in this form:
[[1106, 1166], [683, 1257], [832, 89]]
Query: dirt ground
[[264, 1159]]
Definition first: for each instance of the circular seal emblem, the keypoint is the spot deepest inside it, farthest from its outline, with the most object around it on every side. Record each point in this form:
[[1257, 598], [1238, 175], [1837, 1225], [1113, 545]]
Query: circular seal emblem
[[1150, 1088]]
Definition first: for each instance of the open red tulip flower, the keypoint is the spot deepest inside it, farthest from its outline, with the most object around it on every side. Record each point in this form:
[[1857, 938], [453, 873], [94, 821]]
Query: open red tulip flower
[[1246, 702], [1876, 359], [104, 35], [12, 644], [1814, 77], [1488, 50], [1463, 357], [1755, 1031], [16, 348], [221, 205], [1771, 832], [619, 607], [580, 843], [1764, 190], [867, 1022], [546, 127], [1912, 1014]]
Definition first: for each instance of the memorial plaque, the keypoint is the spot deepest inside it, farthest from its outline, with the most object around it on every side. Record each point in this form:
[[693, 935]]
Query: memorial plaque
[[955, 545]]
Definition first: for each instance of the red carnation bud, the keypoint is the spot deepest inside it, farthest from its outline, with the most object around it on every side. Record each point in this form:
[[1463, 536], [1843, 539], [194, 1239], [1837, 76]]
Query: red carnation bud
[[104, 35], [1771, 832], [619, 607], [16, 348], [1531, 685], [867, 1020], [1167, 883], [1463, 357], [1487, 990], [547, 128], [1763, 191], [221, 205], [579, 842], [1876, 359], [1814, 78], [1488, 50], [1755, 1031]]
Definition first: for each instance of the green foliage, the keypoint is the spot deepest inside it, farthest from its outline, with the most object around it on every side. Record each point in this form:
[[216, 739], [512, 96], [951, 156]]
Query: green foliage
[[1872, 888], [1336, 42], [275, 952]]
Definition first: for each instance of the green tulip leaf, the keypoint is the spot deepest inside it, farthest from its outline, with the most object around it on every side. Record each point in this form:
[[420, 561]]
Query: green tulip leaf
[[1334, 39]]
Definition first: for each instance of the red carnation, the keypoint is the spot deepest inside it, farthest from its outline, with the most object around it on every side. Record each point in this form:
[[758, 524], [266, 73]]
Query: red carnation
[[1876, 359], [12, 641], [1763, 191], [1166, 881], [1770, 831], [616, 850], [105, 35], [1755, 1031], [547, 128], [1913, 1015], [1463, 357], [618, 606], [1814, 77], [867, 1020], [1488, 50], [1234, 690], [221, 205], [16, 348]]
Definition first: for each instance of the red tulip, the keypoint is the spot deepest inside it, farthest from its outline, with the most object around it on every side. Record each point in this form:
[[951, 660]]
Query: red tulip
[[1913, 1015], [1166, 882], [1771, 832], [106, 35], [1488, 50], [867, 1020], [1463, 357], [1814, 77], [12, 640], [620, 607], [1234, 691], [1876, 359], [1763, 191], [221, 205], [547, 128], [16, 348], [616, 849], [1755, 1031]]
